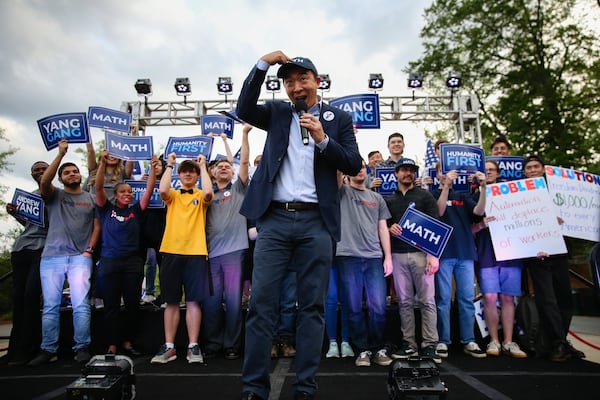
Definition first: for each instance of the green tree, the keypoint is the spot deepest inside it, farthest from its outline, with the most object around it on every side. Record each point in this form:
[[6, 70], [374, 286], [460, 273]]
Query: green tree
[[5, 153], [535, 67]]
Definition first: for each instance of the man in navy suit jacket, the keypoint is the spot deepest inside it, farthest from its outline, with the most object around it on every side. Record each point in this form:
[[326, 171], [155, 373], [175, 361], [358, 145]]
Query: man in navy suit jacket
[[293, 196]]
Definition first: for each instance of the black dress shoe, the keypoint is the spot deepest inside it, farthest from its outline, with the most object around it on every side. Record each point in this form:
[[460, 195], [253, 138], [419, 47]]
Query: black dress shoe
[[131, 352], [231, 354], [574, 352], [560, 353], [303, 396], [251, 396]]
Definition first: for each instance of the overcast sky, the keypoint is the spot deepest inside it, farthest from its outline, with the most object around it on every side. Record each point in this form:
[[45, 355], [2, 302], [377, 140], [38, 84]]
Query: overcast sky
[[64, 56]]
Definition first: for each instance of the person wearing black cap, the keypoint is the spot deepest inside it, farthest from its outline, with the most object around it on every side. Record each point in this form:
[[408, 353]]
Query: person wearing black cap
[[552, 287], [294, 197], [413, 269]]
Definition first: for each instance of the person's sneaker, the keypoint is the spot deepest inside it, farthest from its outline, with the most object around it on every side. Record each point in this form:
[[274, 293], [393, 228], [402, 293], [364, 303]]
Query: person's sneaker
[[512, 349], [381, 358], [442, 350], [404, 351], [287, 350], [472, 349], [194, 355], [164, 355], [82, 355], [363, 359], [574, 352], [148, 298], [347, 350], [43, 357], [334, 351], [493, 348], [430, 352]]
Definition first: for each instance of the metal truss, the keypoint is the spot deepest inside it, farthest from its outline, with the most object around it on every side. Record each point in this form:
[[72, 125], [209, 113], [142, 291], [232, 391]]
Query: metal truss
[[461, 110]]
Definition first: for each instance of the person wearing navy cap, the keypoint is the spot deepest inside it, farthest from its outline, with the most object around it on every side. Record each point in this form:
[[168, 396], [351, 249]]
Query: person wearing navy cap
[[294, 198]]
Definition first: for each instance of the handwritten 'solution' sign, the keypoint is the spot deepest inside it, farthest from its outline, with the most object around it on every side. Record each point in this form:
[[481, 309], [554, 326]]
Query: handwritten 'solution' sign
[[576, 194]]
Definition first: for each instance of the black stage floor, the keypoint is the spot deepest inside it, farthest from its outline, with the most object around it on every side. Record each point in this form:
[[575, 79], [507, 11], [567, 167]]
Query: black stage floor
[[465, 377]]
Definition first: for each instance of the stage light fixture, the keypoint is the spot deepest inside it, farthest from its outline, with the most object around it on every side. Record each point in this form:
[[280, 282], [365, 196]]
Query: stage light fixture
[[375, 82], [453, 80], [273, 84], [224, 85], [325, 83], [143, 86], [415, 80], [183, 87]]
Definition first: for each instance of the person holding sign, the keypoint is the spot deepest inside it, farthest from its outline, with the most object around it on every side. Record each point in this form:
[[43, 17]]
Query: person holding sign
[[227, 236], [552, 286], [414, 270], [501, 278], [396, 148], [456, 209], [73, 232], [115, 170], [294, 198], [120, 269], [184, 254], [25, 259]]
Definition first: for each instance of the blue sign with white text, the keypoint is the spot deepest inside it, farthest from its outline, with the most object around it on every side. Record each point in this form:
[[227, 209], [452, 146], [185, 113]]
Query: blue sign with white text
[[460, 184], [190, 147], [389, 183], [139, 188], [30, 207], [511, 167], [100, 117], [463, 158], [423, 232], [70, 126], [129, 147], [217, 124], [364, 109]]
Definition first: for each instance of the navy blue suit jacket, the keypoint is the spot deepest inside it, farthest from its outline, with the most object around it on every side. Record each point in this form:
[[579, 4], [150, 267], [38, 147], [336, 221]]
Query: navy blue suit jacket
[[275, 117]]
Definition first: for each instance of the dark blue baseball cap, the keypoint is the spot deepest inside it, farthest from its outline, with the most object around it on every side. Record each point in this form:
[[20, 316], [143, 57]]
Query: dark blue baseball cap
[[406, 162], [297, 62]]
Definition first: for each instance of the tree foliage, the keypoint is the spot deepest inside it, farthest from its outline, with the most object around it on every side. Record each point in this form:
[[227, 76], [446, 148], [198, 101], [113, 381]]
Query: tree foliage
[[534, 66], [5, 164]]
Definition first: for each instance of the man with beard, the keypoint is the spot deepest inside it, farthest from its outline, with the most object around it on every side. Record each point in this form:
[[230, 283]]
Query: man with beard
[[73, 231]]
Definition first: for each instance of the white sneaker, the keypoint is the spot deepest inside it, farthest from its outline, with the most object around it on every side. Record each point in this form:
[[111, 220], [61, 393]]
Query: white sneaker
[[363, 359], [512, 349], [472, 349], [442, 350], [381, 358], [347, 350], [493, 348], [334, 351], [148, 298]]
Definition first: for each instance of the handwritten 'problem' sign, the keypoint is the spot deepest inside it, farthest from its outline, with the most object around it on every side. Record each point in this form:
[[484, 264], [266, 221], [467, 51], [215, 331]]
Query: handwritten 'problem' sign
[[526, 220]]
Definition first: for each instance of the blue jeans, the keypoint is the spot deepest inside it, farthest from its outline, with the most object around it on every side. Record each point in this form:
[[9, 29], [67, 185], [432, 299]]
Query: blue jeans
[[223, 328], [287, 240], [77, 270], [286, 323], [335, 294], [150, 271], [464, 277], [357, 274]]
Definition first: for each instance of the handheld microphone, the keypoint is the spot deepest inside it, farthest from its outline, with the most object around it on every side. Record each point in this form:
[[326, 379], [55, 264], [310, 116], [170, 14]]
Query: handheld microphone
[[301, 108]]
